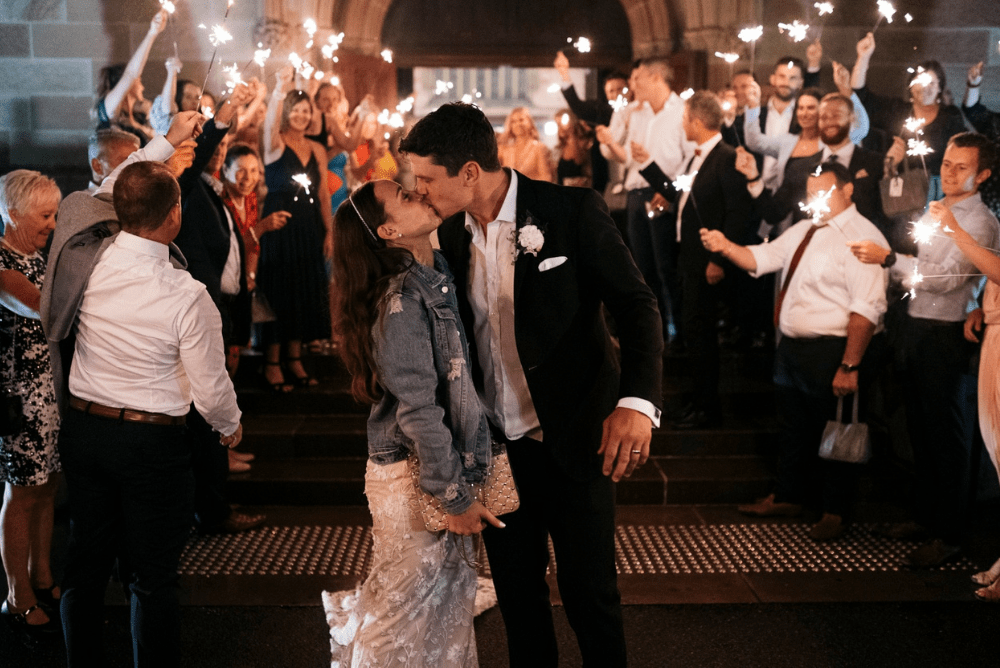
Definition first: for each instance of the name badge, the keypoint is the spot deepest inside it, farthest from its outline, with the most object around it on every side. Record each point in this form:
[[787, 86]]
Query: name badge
[[896, 187]]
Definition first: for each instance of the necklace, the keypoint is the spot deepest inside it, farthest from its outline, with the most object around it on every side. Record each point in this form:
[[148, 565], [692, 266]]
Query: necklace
[[3, 240]]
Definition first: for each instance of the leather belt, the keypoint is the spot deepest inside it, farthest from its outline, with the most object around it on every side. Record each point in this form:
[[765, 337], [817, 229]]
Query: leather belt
[[126, 414]]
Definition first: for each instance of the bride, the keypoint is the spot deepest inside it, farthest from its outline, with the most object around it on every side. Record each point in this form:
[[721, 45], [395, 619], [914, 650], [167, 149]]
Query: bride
[[402, 340]]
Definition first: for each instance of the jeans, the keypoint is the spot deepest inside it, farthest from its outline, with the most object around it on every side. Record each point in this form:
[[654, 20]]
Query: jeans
[[130, 491]]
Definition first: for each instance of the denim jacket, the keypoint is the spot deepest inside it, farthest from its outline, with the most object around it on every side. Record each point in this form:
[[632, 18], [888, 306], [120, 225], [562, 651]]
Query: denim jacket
[[429, 403]]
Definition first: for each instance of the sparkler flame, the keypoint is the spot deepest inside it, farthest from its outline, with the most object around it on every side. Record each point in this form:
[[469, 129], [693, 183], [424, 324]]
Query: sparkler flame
[[467, 99], [819, 205], [387, 55], [332, 44], [218, 35], [918, 147], [797, 31], [886, 9], [260, 56], [824, 8], [923, 232], [728, 57], [442, 87], [169, 6], [907, 17], [751, 34], [619, 102], [310, 26], [234, 79], [406, 106], [582, 45], [554, 88], [207, 112], [923, 79], [684, 182], [303, 180], [686, 95], [914, 125]]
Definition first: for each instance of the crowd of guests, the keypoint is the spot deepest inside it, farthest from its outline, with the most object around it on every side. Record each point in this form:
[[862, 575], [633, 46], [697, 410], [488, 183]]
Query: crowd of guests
[[252, 213]]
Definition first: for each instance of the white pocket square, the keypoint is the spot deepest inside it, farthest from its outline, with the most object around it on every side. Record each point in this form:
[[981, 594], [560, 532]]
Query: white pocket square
[[551, 263]]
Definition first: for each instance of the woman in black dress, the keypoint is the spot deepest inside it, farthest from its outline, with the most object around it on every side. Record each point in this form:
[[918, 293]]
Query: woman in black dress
[[291, 270]]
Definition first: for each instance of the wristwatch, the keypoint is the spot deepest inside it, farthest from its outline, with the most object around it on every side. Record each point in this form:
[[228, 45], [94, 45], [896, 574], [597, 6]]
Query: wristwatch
[[844, 366], [889, 260]]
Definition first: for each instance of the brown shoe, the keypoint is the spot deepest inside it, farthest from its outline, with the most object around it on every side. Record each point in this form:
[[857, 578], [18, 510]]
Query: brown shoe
[[768, 507], [830, 526], [238, 522]]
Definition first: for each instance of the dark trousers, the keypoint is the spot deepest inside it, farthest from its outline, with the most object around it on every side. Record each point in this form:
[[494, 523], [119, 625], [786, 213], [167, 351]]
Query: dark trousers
[[580, 517], [130, 488], [652, 242], [803, 377], [941, 419], [700, 308], [210, 463]]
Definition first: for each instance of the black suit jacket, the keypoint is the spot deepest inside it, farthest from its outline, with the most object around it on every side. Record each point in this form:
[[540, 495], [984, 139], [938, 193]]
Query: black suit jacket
[[592, 112], [562, 340], [866, 168], [204, 237], [718, 201]]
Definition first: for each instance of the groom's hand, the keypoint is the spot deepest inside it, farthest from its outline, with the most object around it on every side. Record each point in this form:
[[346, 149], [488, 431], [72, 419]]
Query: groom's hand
[[625, 443]]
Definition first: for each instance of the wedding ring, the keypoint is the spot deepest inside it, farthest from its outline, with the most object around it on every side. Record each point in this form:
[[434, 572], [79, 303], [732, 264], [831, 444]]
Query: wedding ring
[[637, 452]]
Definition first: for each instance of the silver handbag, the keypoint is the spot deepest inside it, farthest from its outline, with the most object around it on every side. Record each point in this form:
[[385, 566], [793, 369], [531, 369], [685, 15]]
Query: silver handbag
[[846, 442]]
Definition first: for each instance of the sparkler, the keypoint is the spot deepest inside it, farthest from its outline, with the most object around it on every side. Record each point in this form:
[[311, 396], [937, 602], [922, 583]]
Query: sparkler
[[923, 232], [582, 44], [913, 125], [824, 8], [304, 183], [233, 79], [387, 55], [797, 31], [170, 9], [218, 35], [918, 147], [684, 182], [554, 88], [442, 87], [885, 11], [618, 103], [728, 57], [406, 106], [923, 79], [332, 44], [686, 95], [907, 17], [750, 36], [819, 205], [310, 26]]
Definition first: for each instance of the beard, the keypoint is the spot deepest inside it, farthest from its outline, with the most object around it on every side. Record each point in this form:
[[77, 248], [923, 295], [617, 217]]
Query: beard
[[833, 139]]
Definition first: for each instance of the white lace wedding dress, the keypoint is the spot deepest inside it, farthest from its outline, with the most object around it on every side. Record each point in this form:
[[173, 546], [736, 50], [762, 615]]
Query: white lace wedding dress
[[416, 607]]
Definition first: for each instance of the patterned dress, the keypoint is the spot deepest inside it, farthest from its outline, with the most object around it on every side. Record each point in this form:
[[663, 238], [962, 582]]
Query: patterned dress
[[29, 457]]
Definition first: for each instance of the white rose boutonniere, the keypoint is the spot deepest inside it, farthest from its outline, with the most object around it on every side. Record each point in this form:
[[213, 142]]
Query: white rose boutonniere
[[530, 239]]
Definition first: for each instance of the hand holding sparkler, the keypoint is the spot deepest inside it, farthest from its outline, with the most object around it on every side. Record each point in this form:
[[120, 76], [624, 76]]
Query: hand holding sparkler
[[898, 150], [866, 46], [939, 211], [182, 157], [746, 164], [159, 22], [975, 75], [868, 251], [639, 152], [173, 65], [240, 96], [753, 95], [842, 79], [714, 241], [185, 125], [561, 64]]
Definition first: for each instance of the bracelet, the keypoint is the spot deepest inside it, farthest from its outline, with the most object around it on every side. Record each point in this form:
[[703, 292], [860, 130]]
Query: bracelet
[[754, 179], [969, 85], [849, 368]]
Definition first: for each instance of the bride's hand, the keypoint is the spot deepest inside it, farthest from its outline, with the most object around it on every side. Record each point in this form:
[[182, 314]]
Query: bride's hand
[[473, 520]]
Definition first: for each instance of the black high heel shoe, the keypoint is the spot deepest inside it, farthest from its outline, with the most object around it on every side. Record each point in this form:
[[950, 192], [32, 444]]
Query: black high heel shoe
[[48, 601], [302, 381], [29, 634], [278, 388]]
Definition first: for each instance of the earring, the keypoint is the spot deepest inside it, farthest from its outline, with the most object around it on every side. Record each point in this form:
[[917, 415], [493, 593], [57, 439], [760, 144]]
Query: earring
[[399, 234]]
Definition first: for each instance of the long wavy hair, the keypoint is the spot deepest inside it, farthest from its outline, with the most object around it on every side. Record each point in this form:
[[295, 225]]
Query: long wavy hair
[[362, 267]]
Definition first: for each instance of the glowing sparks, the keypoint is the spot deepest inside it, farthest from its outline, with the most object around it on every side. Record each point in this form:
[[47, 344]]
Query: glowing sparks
[[582, 44], [824, 8], [387, 55], [619, 103], [751, 34], [218, 35], [727, 106], [393, 120], [684, 182], [908, 17], [797, 31], [924, 79], [332, 44], [819, 205], [406, 106], [295, 59], [169, 6], [554, 88], [310, 26], [686, 95], [728, 57], [303, 180], [442, 87], [886, 9], [923, 232], [918, 147], [207, 112], [260, 56], [914, 125], [233, 78], [466, 99]]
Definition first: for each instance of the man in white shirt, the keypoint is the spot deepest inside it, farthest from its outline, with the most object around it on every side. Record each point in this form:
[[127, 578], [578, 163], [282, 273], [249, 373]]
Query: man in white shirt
[[656, 132], [829, 307], [149, 342]]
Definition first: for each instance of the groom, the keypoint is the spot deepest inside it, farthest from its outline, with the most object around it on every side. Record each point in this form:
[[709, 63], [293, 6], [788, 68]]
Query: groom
[[533, 263]]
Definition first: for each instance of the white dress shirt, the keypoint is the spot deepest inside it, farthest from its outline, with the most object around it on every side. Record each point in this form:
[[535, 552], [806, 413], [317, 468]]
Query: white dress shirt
[[506, 398], [229, 283], [778, 123], [150, 338], [829, 283], [661, 133], [953, 282], [700, 153], [844, 154], [157, 150]]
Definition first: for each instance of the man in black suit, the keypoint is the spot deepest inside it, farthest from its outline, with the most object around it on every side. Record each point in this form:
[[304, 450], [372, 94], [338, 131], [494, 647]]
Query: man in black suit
[[534, 263], [716, 199], [213, 247], [836, 114]]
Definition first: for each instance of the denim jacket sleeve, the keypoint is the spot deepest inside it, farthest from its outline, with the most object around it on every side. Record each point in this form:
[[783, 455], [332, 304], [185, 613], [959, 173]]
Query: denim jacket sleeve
[[406, 367]]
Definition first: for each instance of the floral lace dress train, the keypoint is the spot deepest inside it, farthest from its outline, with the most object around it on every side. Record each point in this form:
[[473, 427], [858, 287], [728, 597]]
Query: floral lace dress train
[[416, 607]]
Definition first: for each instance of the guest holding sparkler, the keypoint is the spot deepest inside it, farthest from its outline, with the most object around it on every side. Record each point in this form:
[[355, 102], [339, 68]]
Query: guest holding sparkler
[[331, 128], [985, 122], [937, 121], [573, 166], [828, 310], [521, 149], [942, 281], [291, 270], [121, 87]]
